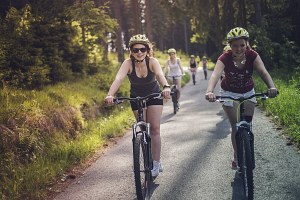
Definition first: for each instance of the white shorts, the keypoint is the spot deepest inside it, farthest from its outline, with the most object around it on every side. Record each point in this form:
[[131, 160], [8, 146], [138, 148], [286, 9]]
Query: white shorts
[[177, 77], [237, 95]]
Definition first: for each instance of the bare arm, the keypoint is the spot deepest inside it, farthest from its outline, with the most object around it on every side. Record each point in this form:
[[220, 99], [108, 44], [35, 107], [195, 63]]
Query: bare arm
[[122, 73], [265, 76], [156, 68], [167, 69], [263, 73], [181, 68], [215, 76], [213, 81]]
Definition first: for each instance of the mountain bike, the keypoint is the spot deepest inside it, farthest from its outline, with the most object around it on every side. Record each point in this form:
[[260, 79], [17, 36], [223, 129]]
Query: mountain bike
[[245, 144], [174, 94], [141, 141]]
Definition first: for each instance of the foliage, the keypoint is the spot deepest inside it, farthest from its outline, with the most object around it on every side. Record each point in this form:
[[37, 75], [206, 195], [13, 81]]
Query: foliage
[[38, 48], [284, 108]]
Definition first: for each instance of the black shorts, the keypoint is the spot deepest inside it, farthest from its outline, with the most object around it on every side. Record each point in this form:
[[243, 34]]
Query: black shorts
[[159, 101]]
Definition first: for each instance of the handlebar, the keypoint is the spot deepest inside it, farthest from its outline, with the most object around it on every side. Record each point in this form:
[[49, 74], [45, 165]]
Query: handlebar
[[263, 96], [119, 100]]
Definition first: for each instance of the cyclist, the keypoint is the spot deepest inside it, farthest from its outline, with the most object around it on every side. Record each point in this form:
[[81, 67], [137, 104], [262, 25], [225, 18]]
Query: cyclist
[[142, 72], [238, 65], [173, 68], [193, 67], [204, 66]]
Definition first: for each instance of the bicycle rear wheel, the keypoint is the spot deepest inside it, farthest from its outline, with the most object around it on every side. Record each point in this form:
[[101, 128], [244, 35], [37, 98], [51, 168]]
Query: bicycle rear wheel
[[245, 161], [142, 168]]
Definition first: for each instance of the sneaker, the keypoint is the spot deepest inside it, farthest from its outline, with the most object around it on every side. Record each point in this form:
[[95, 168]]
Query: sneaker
[[234, 165], [161, 168], [155, 169]]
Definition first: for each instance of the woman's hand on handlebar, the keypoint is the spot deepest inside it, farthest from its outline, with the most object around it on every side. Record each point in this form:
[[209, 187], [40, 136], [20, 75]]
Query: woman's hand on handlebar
[[210, 96], [109, 99], [166, 92], [272, 92]]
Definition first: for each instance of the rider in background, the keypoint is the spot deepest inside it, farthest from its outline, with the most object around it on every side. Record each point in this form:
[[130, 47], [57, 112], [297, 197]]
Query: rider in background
[[173, 68], [204, 66], [193, 67], [142, 72], [238, 64]]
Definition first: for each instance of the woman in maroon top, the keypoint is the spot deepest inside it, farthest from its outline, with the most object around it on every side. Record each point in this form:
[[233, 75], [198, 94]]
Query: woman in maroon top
[[238, 65], [145, 76]]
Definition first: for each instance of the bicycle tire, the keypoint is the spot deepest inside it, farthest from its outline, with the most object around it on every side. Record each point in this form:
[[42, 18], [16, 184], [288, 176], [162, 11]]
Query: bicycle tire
[[175, 101], [245, 161], [194, 78], [142, 169]]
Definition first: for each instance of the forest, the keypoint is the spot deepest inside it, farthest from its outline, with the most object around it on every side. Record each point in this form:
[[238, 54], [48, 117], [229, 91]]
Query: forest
[[58, 59]]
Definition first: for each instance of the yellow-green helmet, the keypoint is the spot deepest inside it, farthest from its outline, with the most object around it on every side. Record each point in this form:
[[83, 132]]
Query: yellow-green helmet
[[192, 56], [172, 50], [204, 57], [139, 39], [237, 33]]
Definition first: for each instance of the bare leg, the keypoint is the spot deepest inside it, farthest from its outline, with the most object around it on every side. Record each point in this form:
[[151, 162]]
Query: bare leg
[[154, 113], [178, 83], [232, 114]]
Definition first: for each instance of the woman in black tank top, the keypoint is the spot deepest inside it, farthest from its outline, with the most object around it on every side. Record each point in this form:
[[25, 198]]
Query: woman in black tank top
[[142, 72]]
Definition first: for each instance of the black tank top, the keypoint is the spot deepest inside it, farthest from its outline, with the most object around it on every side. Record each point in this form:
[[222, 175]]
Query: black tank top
[[145, 85], [193, 65]]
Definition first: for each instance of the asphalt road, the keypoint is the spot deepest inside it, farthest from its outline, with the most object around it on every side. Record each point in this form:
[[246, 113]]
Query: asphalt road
[[196, 155]]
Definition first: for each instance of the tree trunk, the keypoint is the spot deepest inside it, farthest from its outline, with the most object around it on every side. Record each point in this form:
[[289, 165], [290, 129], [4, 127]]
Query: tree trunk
[[228, 16], [136, 11], [119, 41], [242, 14], [258, 18], [148, 20]]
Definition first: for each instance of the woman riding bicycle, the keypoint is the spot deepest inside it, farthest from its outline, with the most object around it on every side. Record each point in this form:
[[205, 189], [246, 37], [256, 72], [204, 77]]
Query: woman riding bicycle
[[193, 67], [173, 68], [204, 66], [142, 72], [238, 65]]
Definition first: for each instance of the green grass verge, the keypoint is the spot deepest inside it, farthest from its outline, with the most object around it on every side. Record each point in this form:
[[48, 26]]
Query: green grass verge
[[30, 180], [285, 107]]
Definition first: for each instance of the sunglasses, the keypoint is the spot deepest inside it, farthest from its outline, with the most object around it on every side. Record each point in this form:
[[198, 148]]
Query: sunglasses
[[136, 50]]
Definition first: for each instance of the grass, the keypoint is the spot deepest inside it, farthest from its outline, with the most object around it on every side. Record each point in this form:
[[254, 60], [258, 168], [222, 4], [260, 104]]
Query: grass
[[285, 107], [30, 180]]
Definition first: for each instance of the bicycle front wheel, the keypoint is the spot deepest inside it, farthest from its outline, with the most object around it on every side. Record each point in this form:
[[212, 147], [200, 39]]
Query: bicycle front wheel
[[246, 164], [142, 168], [175, 101]]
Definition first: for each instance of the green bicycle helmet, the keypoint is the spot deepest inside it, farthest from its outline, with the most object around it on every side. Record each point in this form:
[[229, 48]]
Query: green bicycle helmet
[[172, 50], [139, 39], [237, 33]]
